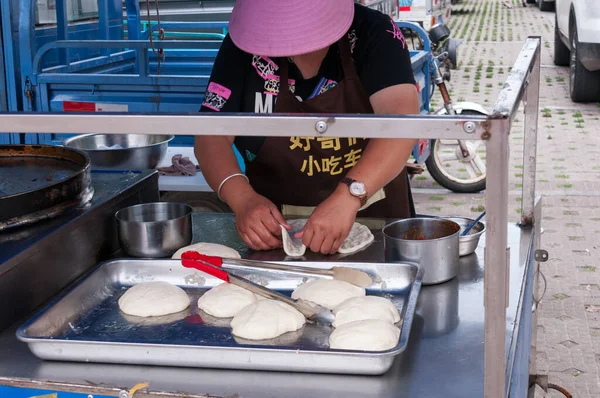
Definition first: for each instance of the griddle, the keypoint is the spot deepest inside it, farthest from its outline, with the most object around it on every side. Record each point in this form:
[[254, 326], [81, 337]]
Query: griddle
[[41, 181]]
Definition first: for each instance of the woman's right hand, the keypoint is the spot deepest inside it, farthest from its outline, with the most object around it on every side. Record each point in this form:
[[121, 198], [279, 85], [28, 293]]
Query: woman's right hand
[[258, 221]]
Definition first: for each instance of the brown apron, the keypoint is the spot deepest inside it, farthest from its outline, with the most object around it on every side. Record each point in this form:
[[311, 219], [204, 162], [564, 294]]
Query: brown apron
[[304, 171]]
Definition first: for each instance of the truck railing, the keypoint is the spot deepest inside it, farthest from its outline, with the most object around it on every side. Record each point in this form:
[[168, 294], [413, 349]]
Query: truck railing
[[142, 55]]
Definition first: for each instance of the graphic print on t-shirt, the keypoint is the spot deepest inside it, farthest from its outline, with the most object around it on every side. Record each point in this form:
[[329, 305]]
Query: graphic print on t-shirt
[[352, 38], [272, 85], [265, 67], [397, 33], [216, 96]]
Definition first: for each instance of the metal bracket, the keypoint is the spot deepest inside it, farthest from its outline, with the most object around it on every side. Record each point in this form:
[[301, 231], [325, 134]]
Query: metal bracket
[[469, 127], [527, 79], [485, 135], [321, 127], [541, 255], [29, 93], [540, 380]]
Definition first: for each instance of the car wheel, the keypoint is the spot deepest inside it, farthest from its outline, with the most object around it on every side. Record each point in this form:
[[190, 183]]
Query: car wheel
[[584, 85], [562, 55], [545, 5]]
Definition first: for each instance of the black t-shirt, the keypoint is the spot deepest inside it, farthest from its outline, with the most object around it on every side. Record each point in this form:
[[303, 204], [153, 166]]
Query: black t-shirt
[[243, 82]]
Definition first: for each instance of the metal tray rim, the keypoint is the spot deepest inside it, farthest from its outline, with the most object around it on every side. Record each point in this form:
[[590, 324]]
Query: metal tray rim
[[402, 343]]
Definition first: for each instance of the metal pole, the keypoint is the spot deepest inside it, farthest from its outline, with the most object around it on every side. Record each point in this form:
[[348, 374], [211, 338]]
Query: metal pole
[[497, 256], [531, 101], [104, 24], [537, 230], [62, 30], [243, 124], [496, 260]]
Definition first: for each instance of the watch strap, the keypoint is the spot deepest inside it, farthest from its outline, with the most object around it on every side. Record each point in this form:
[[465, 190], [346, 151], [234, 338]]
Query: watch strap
[[347, 180], [363, 199]]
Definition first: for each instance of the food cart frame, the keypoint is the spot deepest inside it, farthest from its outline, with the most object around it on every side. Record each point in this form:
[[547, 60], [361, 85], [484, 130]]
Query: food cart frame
[[522, 85]]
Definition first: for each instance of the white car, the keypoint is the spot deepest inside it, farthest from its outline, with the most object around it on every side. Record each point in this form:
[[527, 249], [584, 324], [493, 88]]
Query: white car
[[577, 45]]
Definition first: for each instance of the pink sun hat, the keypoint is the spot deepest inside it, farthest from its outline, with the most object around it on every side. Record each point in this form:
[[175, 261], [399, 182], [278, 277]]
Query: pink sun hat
[[285, 28]]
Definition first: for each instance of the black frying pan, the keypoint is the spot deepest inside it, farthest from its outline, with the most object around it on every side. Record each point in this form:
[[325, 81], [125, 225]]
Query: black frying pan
[[34, 178]]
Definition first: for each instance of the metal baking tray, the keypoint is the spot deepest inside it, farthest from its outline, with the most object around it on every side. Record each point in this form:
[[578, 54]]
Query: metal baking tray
[[84, 324]]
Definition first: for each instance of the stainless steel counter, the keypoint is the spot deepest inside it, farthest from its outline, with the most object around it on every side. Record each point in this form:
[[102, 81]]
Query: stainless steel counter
[[444, 355], [37, 261]]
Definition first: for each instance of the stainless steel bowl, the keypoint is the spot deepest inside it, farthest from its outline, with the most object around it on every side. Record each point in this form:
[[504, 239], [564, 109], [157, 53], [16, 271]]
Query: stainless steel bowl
[[467, 244], [430, 242], [154, 230], [134, 151]]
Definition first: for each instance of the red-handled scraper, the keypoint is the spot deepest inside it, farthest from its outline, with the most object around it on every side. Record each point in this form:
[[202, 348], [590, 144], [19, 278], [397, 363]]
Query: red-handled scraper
[[346, 274]]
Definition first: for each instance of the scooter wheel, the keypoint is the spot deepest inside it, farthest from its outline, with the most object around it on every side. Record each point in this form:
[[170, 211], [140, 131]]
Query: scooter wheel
[[454, 172]]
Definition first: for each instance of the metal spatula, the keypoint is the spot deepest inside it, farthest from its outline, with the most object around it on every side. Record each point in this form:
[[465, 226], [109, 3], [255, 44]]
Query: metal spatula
[[310, 310], [346, 274]]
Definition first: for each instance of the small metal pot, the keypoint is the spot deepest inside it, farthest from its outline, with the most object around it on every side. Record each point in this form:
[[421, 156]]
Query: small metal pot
[[467, 244], [430, 242], [134, 151], [154, 230]]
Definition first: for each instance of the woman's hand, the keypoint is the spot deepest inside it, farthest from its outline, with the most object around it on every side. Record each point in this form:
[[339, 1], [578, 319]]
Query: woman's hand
[[330, 223], [258, 221]]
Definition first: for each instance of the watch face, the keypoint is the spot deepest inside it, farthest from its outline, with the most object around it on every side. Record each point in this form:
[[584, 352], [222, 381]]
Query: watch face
[[357, 188]]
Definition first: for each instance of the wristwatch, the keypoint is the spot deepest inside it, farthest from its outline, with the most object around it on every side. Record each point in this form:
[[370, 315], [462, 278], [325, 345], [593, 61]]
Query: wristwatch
[[357, 189]]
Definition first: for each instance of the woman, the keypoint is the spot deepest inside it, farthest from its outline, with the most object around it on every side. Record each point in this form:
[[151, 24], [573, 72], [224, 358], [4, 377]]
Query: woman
[[309, 56]]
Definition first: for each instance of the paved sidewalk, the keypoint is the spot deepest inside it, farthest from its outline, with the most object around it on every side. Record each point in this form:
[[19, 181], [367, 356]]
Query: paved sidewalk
[[568, 177]]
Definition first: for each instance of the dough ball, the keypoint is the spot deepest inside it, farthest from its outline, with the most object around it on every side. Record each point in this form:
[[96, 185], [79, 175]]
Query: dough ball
[[266, 319], [328, 293], [360, 237], [153, 299], [225, 300], [208, 249], [156, 320], [363, 308], [368, 335], [286, 339], [213, 321]]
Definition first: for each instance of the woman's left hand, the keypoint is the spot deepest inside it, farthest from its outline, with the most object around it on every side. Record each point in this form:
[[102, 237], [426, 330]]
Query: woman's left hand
[[330, 223]]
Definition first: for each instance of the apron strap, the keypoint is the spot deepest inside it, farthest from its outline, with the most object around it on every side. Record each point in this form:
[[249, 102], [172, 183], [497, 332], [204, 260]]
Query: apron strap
[[345, 57], [284, 88]]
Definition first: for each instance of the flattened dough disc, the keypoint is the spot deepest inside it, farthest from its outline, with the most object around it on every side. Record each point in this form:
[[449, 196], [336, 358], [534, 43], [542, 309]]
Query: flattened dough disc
[[360, 236], [293, 247]]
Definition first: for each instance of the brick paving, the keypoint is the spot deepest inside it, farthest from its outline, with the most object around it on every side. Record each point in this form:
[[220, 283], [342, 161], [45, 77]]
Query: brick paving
[[568, 177]]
